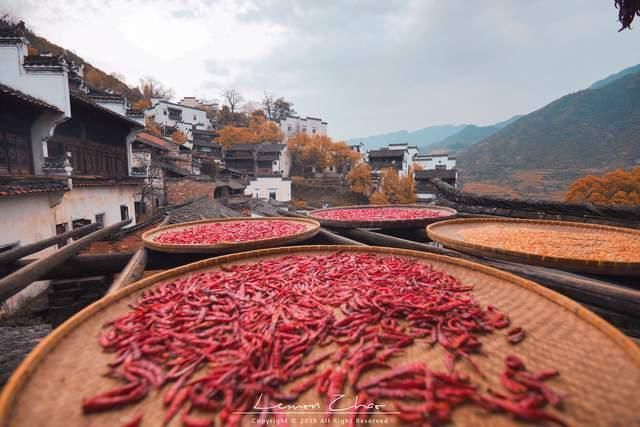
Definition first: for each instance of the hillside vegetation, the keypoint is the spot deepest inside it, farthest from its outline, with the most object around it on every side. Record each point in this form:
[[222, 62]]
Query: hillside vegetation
[[94, 76], [590, 131]]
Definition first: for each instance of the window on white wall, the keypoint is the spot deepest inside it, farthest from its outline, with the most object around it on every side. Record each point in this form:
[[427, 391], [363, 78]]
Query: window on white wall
[[124, 212], [100, 219], [272, 194]]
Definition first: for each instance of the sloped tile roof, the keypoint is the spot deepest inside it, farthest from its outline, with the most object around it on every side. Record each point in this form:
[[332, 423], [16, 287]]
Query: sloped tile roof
[[153, 141], [9, 91], [15, 186]]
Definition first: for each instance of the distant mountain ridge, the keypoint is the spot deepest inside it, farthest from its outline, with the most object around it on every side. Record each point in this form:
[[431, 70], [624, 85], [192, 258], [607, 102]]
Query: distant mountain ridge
[[451, 137], [420, 137], [468, 136], [613, 77], [589, 131]]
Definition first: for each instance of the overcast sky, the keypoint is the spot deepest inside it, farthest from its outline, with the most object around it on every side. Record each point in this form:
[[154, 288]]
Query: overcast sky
[[365, 66]]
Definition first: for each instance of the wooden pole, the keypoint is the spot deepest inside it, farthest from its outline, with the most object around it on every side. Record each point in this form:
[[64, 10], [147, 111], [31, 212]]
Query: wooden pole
[[17, 281], [337, 239], [79, 266], [134, 270], [21, 251]]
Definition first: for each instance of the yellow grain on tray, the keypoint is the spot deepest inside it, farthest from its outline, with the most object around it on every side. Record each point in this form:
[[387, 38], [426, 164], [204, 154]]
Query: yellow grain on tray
[[582, 244]]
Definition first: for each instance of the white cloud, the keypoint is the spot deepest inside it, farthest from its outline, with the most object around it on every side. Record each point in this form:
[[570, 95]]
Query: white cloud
[[365, 66]]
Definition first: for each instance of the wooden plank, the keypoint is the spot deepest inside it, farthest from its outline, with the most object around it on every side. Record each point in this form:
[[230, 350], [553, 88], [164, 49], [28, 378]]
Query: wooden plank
[[584, 289], [22, 251], [18, 280], [134, 270]]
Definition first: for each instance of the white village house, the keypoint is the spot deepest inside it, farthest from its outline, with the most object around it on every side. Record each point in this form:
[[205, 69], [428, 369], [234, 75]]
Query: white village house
[[440, 161], [435, 166], [171, 116], [65, 157], [399, 156], [294, 125]]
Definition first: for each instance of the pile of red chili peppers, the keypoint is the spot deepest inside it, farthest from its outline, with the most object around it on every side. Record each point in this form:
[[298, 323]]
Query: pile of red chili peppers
[[378, 214], [230, 231], [216, 342]]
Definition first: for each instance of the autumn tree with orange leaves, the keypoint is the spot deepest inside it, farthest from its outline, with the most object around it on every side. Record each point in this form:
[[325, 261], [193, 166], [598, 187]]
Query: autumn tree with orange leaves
[[313, 153], [359, 179], [394, 188], [618, 187], [178, 137], [259, 129]]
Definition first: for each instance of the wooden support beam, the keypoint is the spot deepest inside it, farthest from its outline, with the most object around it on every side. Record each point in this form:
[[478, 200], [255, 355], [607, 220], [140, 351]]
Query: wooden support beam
[[587, 290], [22, 251], [134, 270], [18, 280], [337, 239], [79, 266]]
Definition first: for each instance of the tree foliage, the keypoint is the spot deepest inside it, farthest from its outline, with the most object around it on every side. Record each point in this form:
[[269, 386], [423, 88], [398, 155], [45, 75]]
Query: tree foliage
[[359, 179], [276, 109], [627, 11], [151, 88], [178, 137], [318, 152], [394, 188], [152, 126], [618, 187], [258, 129]]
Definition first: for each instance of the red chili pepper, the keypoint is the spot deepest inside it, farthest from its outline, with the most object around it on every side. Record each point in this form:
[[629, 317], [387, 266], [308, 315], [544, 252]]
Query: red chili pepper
[[230, 231], [217, 340], [378, 214]]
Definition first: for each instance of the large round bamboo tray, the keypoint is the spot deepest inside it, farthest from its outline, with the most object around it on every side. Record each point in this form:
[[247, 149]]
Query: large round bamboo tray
[[312, 228], [449, 234], [600, 367], [447, 213]]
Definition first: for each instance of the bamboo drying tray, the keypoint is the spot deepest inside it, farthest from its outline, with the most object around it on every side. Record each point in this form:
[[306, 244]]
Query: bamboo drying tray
[[312, 228], [448, 213], [449, 233], [599, 367]]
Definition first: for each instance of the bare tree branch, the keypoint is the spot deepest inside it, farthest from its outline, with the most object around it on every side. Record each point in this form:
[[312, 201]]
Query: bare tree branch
[[232, 97]]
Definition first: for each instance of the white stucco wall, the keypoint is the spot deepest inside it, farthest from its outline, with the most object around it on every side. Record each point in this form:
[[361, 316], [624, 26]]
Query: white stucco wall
[[429, 162], [260, 188], [119, 107], [87, 202], [190, 116], [49, 86], [27, 219], [291, 126], [284, 163]]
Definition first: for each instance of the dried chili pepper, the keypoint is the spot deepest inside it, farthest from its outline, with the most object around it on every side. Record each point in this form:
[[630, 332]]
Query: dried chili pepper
[[230, 231], [378, 214], [218, 340]]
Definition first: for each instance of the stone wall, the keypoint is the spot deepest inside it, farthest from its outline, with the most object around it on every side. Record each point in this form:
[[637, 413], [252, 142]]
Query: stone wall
[[183, 190]]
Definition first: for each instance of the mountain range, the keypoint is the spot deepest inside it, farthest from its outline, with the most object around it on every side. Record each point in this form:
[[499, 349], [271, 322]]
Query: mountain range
[[420, 137], [587, 132], [539, 154]]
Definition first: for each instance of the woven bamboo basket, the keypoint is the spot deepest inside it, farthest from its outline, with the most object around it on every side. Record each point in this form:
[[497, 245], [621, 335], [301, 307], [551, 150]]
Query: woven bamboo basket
[[447, 213], [312, 228], [449, 233], [599, 367]]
